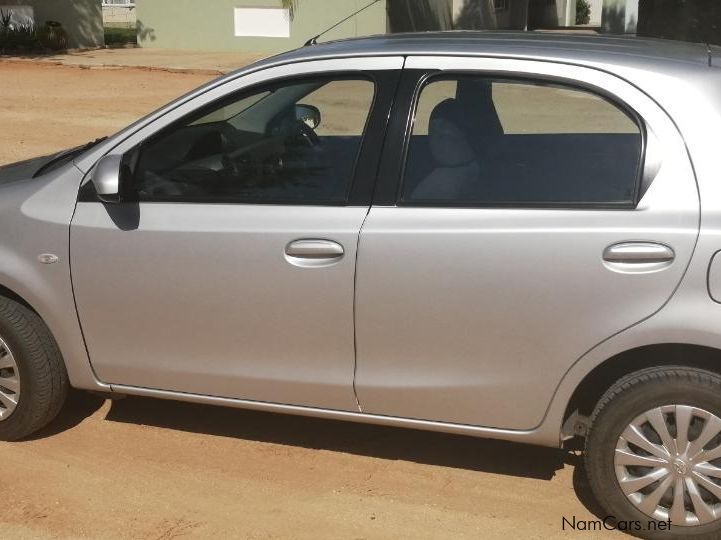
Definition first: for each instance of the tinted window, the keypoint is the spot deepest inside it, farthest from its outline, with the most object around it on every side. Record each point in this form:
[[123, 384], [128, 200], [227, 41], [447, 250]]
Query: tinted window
[[295, 143], [478, 140]]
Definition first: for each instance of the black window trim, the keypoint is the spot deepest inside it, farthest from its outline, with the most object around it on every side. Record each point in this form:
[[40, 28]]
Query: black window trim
[[360, 189], [413, 83]]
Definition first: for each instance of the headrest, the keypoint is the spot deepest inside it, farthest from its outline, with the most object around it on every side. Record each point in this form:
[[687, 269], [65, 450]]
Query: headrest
[[449, 133]]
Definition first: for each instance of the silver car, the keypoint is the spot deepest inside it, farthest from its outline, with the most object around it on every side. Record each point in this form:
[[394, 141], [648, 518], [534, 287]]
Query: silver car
[[512, 236]]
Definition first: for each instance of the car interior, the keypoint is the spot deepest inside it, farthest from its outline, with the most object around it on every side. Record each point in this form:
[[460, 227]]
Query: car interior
[[262, 147], [466, 156], [265, 147]]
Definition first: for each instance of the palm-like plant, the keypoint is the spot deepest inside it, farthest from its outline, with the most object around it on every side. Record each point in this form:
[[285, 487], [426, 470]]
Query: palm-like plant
[[5, 19], [291, 6]]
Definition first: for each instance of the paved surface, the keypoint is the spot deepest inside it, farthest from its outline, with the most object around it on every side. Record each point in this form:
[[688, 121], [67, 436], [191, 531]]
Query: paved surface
[[146, 469]]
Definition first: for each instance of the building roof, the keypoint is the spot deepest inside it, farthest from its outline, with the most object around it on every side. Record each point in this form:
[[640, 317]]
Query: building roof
[[585, 48]]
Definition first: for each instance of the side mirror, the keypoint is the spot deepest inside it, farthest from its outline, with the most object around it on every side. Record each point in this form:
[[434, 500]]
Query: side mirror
[[106, 178], [308, 114]]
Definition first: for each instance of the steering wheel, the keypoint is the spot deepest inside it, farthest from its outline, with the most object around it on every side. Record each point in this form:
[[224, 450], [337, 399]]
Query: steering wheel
[[307, 134], [155, 184]]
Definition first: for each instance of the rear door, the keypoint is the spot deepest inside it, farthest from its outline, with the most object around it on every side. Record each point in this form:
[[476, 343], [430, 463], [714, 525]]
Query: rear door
[[526, 211]]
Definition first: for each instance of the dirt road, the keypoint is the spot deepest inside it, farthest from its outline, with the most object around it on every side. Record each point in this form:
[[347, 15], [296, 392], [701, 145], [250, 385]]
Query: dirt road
[[144, 469], [45, 108]]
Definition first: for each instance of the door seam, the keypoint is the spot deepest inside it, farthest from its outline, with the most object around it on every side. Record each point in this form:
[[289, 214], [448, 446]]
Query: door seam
[[355, 283], [360, 232]]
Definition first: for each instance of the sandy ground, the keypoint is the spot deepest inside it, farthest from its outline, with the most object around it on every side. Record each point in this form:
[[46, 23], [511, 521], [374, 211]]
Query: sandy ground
[[174, 60], [145, 469], [45, 107]]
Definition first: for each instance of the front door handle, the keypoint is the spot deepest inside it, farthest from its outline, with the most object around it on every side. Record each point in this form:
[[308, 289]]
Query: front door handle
[[314, 249], [638, 253]]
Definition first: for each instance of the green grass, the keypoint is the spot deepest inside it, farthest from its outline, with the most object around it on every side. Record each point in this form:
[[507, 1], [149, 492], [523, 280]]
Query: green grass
[[115, 35]]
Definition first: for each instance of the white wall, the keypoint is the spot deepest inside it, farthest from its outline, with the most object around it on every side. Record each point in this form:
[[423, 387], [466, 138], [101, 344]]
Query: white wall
[[566, 12], [262, 22], [620, 16], [119, 15], [596, 12]]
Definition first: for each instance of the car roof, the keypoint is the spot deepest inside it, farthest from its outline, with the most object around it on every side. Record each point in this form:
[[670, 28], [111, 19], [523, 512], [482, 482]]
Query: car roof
[[632, 56], [558, 46]]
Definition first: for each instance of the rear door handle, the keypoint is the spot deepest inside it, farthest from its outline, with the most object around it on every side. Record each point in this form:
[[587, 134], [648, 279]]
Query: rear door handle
[[638, 253], [314, 249]]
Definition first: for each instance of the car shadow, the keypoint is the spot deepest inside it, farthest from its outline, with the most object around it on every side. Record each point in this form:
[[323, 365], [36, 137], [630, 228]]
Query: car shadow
[[483, 455], [78, 406], [584, 493], [425, 447]]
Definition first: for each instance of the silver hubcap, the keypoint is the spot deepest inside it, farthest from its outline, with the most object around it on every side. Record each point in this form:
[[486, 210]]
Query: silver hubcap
[[9, 381], [668, 463]]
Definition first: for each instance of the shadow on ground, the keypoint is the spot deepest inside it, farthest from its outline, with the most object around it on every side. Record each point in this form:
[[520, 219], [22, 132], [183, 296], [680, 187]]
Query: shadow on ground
[[455, 451], [374, 441], [78, 407]]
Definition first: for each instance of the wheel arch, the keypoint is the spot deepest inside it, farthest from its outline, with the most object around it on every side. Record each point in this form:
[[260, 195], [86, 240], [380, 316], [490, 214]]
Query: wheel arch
[[66, 332], [12, 295], [594, 384]]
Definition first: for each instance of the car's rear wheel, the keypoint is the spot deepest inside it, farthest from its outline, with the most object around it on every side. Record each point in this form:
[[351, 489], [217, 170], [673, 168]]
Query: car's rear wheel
[[653, 453], [33, 380]]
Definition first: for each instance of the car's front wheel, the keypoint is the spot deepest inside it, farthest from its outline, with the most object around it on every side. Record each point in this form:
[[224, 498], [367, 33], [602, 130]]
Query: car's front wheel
[[33, 380], [653, 453]]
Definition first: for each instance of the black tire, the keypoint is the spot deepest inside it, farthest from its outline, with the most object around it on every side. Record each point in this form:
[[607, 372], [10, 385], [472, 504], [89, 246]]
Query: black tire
[[630, 397], [43, 378]]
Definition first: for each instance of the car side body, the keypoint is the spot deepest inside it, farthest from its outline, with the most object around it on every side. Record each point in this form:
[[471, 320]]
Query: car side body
[[518, 351]]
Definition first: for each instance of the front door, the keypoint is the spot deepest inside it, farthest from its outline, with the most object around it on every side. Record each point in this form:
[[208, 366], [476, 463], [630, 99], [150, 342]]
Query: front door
[[527, 229], [230, 271]]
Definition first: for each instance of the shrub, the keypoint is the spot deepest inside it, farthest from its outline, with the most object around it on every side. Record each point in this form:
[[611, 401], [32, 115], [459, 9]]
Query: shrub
[[53, 36], [120, 36], [18, 38], [24, 38], [5, 19], [583, 12]]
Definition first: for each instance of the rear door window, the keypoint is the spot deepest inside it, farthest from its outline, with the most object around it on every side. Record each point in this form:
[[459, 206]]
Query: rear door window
[[487, 141]]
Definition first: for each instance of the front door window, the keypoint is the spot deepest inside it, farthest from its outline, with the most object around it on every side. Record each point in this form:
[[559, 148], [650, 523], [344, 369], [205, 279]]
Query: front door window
[[292, 143]]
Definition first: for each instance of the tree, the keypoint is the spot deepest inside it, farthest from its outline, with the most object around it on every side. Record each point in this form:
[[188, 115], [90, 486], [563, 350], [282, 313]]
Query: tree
[[583, 12], [291, 6], [698, 21]]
